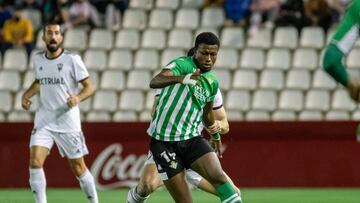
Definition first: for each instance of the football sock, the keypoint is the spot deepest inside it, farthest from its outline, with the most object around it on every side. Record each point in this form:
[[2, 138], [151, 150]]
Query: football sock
[[134, 197], [38, 184], [227, 193], [87, 185]]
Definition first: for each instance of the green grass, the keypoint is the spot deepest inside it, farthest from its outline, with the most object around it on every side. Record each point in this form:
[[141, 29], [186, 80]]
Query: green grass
[[282, 195]]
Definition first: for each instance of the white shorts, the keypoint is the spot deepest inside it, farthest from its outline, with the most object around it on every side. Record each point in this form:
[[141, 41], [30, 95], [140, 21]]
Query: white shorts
[[71, 145], [191, 176]]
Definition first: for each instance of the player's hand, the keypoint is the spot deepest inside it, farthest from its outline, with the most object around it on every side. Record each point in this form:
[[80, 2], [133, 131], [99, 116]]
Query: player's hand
[[216, 144], [354, 89], [25, 103], [72, 100], [190, 79], [215, 128]]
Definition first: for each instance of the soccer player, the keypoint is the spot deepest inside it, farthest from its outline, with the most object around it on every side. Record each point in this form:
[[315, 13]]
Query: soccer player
[[341, 43], [150, 179], [58, 73], [186, 100]]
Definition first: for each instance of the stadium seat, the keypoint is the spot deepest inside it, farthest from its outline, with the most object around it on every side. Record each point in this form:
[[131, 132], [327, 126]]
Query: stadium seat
[[40, 44], [354, 116], [161, 19], [261, 39], [245, 79], [138, 79], [278, 59], [342, 101], [34, 16], [85, 106], [225, 78], [317, 100], [9, 80], [310, 116], [286, 37], [15, 59], [187, 18], [238, 100], [145, 116], [212, 17], [128, 38], [227, 58], [112, 80], [101, 39], [94, 77], [291, 100], [234, 116], [192, 3], [150, 95], [141, 4], [154, 39], [232, 38], [255, 115], [95, 59], [335, 115], [312, 37], [19, 116], [17, 103], [98, 116], [6, 101], [135, 19], [298, 79], [29, 78], [206, 29], [2, 117], [180, 38], [108, 104], [120, 59], [281, 115], [168, 4], [131, 100], [272, 79], [146, 59], [252, 59], [353, 59], [125, 116], [265, 100], [322, 80], [170, 54], [305, 58], [353, 72], [76, 39], [31, 58]]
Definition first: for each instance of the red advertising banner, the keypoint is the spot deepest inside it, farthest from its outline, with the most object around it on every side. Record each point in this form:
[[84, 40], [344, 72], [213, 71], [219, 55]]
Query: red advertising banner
[[256, 154]]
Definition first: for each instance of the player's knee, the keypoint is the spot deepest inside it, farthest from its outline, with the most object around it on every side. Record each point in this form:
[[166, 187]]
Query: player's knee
[[36, 163], [78, 168], [219, 178], [147, 187]]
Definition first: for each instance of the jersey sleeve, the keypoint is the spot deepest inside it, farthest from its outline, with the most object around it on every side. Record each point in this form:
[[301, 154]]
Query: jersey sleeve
[[157, 92], [218, 100], [179, 67], [35, 69], [80, 70]]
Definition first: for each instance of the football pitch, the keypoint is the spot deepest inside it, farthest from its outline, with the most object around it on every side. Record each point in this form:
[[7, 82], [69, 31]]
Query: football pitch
[[283, 195]]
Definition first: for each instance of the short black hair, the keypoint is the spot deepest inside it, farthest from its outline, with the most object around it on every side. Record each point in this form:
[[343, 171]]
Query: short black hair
[[191, 52], [208, 38], [52, 23]]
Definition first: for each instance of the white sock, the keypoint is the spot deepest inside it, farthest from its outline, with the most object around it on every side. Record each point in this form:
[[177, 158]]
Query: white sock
[[134, 197], [38, 184], [87, 185]]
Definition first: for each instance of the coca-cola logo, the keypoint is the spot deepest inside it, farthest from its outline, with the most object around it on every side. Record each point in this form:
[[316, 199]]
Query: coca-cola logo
[[111, 170]]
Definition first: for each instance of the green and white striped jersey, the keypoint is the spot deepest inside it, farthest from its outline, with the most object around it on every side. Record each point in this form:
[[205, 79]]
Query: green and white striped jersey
[[179, 113]]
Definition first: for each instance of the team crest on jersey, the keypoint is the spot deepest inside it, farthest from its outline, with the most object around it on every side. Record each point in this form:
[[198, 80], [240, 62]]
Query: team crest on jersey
[[59, 65]]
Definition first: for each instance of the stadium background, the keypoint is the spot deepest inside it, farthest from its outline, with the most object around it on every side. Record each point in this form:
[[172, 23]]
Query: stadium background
[[291, 125]]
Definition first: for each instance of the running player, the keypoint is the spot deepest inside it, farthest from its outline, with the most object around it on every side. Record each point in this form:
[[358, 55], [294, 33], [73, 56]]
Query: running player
[[341, 44], [58, 73], [186, 100]]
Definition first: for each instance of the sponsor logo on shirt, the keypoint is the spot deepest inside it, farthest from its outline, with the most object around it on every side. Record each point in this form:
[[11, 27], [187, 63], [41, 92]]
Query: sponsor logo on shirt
[[52, 81]]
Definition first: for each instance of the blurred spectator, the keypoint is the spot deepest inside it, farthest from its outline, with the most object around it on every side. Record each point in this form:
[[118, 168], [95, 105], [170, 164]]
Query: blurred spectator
[[109, 12], [79, 13], [291, 14], [263, 10], [55, 10], [216, 3], [318, 13], [5, 14], [236, 12], [18, 32], [339, 7], [29, 4]]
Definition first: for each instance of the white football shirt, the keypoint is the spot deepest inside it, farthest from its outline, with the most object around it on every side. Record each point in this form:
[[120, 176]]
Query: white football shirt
[[58, 78]]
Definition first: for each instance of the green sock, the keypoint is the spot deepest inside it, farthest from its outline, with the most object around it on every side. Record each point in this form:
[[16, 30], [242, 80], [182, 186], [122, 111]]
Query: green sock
[[227, 193]]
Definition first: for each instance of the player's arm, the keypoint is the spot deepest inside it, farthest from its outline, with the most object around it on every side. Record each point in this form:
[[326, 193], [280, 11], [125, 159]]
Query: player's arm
[[221, 118], [209, 122], [333, 65], [156, 99], [31, 91], [166, 77], [87, 90]]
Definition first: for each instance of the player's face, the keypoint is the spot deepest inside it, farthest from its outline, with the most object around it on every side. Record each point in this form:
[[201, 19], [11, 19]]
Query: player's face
[[53, 37], [206, 56]]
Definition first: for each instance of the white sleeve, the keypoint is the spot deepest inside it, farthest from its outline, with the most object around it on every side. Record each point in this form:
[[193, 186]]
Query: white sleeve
[[157, 92], [218, 101], [35, 69], [79, 69]]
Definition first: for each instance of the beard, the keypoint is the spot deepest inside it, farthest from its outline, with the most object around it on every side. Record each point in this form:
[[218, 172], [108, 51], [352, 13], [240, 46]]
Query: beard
[[51, 48]]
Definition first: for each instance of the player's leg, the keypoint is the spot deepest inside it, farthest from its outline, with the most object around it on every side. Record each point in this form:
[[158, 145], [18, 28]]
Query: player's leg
[[148, 183], [203, 160], [40, 145], [73, 147], [178, 188]]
